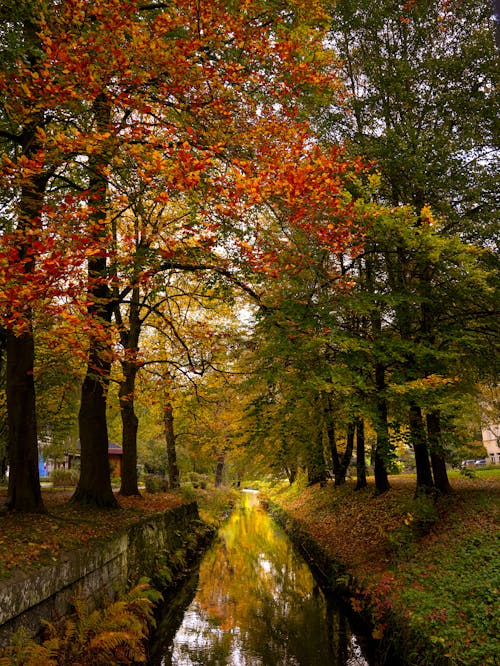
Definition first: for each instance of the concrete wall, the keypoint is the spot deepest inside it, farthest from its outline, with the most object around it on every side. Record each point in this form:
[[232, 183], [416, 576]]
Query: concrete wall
[[97, 572]]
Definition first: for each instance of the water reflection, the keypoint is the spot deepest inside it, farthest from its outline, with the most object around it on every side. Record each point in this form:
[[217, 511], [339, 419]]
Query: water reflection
[[256, 603]]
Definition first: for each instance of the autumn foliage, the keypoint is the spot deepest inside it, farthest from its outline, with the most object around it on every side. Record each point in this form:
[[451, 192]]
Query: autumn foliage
[[196, 114]]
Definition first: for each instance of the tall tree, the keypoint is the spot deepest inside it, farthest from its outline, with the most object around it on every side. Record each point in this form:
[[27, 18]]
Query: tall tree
[[422, 108], [25, 152], [215, 104], [94, 484]]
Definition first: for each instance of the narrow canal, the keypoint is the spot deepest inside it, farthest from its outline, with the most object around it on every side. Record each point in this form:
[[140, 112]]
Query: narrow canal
[[254, 601]]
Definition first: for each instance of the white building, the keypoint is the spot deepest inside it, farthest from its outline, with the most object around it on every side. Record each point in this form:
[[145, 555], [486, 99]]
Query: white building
[[491, 441]]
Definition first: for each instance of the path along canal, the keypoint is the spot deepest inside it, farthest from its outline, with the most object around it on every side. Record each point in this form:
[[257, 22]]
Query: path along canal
[[254, 601]]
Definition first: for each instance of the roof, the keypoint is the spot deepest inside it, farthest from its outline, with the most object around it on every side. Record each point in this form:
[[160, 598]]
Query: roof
[[113, 448]]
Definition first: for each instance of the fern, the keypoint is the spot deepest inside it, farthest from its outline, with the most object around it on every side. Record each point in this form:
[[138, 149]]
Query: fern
[[111, 636]]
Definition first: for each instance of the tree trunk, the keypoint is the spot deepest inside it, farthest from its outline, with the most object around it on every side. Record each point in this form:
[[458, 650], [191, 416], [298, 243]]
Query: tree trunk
[[438, 461], [425, 483], [130, 424], [344, 462], [347, 457], [94, 485], [291, 472], [219, 471], [24, 483], [129, 337], [24, 492], [360, 455], [383, 449], [316, 468], [332, 439], [173, 469]]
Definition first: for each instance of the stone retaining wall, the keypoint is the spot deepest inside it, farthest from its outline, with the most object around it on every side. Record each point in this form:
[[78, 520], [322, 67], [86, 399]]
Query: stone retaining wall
[[97, 572]]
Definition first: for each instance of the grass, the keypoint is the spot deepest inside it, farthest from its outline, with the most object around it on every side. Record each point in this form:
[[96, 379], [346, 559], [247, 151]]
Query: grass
[[431, 566], [488, 471]]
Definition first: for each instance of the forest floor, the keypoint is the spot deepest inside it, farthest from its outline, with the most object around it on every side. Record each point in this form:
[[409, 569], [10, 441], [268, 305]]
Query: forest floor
[[428, 566]]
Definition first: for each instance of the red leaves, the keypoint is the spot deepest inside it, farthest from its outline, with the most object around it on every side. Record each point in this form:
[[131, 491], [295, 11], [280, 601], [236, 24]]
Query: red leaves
[[206, 125]]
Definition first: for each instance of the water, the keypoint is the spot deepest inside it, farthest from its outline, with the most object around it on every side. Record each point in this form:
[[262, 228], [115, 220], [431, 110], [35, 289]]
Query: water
[[254, 602]]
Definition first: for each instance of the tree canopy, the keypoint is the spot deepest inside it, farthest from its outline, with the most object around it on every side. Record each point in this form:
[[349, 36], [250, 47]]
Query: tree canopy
[[278, 213]]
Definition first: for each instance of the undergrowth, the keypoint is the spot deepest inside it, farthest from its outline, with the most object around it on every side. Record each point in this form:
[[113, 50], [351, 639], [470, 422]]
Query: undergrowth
[[111, 636], [426, 568], [214, 504]]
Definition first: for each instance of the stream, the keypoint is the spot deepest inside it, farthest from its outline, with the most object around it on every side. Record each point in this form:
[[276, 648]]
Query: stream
[[254, 601]]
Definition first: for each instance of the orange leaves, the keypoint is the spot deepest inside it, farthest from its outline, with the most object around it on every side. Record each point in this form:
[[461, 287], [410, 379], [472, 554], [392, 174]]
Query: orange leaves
[[207, 103]]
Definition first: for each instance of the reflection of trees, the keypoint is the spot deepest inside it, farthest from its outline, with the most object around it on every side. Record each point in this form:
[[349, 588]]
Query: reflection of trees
[[252, 565], [169, 618], [258, 600]]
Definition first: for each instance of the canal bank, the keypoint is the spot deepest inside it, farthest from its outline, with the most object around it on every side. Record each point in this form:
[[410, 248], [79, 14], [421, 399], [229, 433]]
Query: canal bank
[[422, 572], [159, 547], [335, 577], [254, 601]]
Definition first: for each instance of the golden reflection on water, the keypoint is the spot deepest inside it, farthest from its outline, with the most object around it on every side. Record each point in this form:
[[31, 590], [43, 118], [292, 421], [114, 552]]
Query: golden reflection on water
[[257, 604]]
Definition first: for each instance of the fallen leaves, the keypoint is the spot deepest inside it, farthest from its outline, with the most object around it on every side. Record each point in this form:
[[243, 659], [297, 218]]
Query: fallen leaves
[[444, 585], [32, 540]]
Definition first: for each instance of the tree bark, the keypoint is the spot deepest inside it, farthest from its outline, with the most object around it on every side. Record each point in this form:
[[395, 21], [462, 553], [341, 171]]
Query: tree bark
[[291, 472], [425, 482], [94, 485], [360, 455], [129, 337], [316, 468], [347, 457], [130, 424], [438, 460], [383, 449], [24, 492], [331, 436], [219, 470], [173, 469]]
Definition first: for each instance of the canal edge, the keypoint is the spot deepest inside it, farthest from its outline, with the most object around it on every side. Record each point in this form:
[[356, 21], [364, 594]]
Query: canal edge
[[393, 640]]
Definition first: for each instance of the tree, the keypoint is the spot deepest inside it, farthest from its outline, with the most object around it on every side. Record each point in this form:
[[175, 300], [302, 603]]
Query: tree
[[422, 108], [23, 139], [187, 115]]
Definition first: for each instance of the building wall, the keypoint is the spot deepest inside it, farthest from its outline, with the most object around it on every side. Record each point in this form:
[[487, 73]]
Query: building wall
[[491, 441]]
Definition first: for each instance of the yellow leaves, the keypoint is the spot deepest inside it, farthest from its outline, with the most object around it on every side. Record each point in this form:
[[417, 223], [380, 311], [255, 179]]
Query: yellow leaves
[[424, 384], [378, 633], [25, 90], [374, 180], [93, 252], [426, 215]]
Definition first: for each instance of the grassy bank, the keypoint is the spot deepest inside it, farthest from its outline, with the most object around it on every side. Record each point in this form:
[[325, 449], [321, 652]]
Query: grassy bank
[[428, 567]]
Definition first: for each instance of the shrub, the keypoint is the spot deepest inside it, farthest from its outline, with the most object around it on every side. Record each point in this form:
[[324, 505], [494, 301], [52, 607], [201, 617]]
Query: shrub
[[155, 483], [198, 480], [64, 477]]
